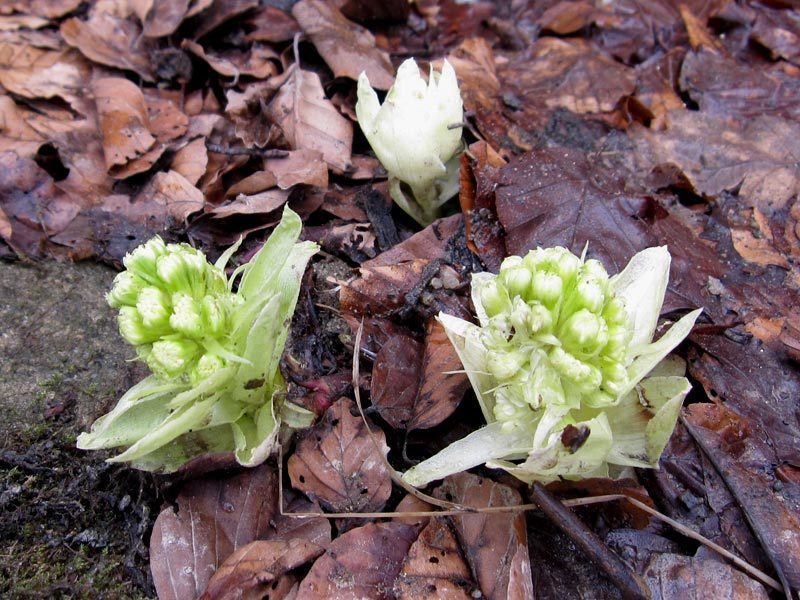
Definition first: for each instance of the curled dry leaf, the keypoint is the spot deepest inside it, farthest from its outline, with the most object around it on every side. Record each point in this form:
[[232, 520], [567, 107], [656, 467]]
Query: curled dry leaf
[[256, 62], [177, 197], [310, 121], [360, 564], [435, 567], [15, 133], [215, 517], [337, 464], [495, 544], [298, 166], [191, 161], [124, 121], [258, 570], [347, 47], [111, 41], [34, 73]]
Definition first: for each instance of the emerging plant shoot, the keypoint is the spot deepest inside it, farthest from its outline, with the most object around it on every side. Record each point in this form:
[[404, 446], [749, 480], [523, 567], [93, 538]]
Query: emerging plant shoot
[[411, 135], [214, 354], [565, 369]]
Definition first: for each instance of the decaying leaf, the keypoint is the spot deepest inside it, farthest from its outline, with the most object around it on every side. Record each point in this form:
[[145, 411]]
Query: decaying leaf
[[495, 544], [360, 564], [348, 48], [435, 567], [676, 576], [310, 121], [215, 517], [337, 464]]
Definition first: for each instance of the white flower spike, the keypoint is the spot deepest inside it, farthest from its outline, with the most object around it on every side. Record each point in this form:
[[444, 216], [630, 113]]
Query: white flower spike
[[411, 137], [565, 370]]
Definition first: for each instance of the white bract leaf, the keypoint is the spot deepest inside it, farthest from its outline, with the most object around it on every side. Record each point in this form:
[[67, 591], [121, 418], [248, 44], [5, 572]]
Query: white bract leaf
[[410, 134], [216, 384], [565, 369]]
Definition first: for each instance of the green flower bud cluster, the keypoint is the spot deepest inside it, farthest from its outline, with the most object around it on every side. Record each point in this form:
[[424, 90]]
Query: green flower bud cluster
[[556, 335], [174, 306]]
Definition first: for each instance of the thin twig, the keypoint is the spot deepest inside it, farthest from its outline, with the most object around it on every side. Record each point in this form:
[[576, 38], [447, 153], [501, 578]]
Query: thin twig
[[242, 151]]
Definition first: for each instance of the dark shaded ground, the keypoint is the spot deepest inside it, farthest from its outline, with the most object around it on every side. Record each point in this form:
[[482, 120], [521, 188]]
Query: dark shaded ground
[[71, 526]]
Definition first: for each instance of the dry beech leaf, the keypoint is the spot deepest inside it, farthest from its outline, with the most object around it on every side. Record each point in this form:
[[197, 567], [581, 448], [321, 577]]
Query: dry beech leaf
[[110, 41], [673, 576], [716, 154], [256, 204], [191, 160], [5, 227], [34, 73], [160, 17], [298, 166], [215, 517], [495, 544], [361, 564], [435, 567], [337, 464], [167, 122], [412, 387], [15, 133], [347, 48], [310, 121], [124, 121], [256, 62], [29, 196], [257, 570], [270, 24]]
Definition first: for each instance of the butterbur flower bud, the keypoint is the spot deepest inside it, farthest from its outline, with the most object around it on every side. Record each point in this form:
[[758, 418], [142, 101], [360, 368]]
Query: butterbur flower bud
[[576, 358], [131, 327], [172, 357], [154, 307], [142, 261], [185, 316], [411, 135], [207, 365], [125, 290]]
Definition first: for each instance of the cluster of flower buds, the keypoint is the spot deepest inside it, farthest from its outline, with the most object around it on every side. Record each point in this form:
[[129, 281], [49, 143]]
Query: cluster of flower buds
[[174, 307], [565, 368], [555, 334]]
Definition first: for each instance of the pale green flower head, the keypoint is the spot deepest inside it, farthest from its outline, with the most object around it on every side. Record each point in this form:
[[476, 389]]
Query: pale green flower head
[[410, 135], [214, 353], [565, 370]]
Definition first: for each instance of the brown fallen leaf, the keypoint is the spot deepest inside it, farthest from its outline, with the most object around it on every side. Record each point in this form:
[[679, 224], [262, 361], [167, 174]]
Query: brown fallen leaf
[[778, 31], [347, 48], [270, 24], [160, 17], [567, 17], [167, 122], [337, 464], [257, 61], [746, 462], [552, 197], [51, 9], [717, 154], [657, 88], [255, 204], [726, 87], [360, 564], [15, 133], [257, 570], [570, 74], [191, 160], [124, 121], [435, 567], [673, 576], [310, 121], [699, 35], [298, 167], [34, 73], [495, 544], [111, 41], [413, 386], [173, 194], [215, 517]]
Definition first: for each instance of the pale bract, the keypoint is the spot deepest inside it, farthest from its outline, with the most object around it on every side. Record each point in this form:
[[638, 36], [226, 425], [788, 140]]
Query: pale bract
[[565, 370], [410, 134], [214, 353]]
